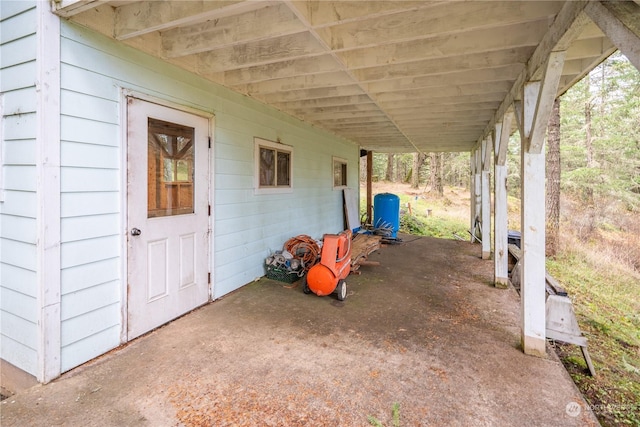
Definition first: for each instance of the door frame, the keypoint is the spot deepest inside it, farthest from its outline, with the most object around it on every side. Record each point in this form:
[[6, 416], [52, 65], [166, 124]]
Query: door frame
[[126, 93]]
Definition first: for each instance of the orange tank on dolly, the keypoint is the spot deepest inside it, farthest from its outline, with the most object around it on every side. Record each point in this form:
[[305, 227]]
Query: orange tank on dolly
[[328, 276]]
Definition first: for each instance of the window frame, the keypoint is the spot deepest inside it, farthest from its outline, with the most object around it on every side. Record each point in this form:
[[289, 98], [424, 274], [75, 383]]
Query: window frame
[[344, 163], [278, 147]]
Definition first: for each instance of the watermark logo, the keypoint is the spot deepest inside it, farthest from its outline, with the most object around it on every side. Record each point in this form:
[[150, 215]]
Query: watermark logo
[[573, 409]]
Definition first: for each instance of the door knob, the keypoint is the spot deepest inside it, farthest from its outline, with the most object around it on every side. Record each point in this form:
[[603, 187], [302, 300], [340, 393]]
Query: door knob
[[135, 232]]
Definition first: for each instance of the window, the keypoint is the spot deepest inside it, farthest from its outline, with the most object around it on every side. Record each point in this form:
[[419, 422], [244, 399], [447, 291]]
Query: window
[[339, 172], [273, 167], [170, 168]]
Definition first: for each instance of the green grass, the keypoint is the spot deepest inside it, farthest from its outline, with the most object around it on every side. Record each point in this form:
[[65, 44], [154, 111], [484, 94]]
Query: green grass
[[607, 305], [395, 414], [441, 227], [605, 295]]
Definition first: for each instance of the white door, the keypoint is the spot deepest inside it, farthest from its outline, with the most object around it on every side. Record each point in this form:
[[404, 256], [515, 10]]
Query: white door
[[168, 225]]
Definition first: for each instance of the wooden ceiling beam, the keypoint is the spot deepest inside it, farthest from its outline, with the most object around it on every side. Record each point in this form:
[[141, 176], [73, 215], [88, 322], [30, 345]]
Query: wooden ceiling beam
[[445, 91], [234, 30], [334, 78], [620, 21], [566, 28], [345, 115], [455, 108], [416, 24], [260, 53], [448, 100], [526, 34], [589, 48], [284, 69], [315, 93], [326, 103], [139, 18], [482, 75], [69, 8], [323, 13], [445, 65]]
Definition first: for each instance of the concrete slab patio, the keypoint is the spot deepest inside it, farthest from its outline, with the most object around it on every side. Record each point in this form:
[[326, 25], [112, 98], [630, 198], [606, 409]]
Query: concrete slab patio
[[424, 329]]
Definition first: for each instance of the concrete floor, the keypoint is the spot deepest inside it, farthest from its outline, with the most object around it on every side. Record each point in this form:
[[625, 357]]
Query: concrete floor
[[425, 329]]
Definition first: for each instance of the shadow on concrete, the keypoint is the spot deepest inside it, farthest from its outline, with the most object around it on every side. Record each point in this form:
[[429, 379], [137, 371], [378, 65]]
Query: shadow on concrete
[[425, 329]]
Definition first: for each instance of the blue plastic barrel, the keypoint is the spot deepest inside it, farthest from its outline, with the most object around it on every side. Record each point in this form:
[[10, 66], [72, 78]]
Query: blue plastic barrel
[[386, 212]]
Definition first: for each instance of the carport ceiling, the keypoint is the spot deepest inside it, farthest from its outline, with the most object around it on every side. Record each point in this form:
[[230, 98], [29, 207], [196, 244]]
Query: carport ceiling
[[393, 76]]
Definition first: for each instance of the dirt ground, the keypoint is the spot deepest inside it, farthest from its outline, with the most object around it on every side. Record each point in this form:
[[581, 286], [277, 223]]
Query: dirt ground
[[424, 329]]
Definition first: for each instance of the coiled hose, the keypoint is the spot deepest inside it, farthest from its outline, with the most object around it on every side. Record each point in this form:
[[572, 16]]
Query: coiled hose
[[305, 249]]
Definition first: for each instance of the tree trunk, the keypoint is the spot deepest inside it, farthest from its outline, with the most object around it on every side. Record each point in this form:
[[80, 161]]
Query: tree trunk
[[418, 161], [553, 180], [435, 176], [389, 174], [588, 191], [588, 134], [363, 169]]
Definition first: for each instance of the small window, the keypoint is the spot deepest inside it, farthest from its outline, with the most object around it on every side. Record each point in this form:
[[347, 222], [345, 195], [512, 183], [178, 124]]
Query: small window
[[339, 173], [274, 164]]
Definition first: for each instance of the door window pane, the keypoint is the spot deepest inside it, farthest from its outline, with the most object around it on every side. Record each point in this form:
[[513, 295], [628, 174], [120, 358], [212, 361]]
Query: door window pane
[[170, 168]]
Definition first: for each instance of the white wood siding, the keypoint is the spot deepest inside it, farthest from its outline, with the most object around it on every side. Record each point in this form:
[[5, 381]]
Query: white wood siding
[[246, 227], [18, 279]]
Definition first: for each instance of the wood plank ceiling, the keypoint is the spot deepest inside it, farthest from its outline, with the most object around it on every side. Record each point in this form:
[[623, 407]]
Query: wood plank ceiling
[[393, 76]]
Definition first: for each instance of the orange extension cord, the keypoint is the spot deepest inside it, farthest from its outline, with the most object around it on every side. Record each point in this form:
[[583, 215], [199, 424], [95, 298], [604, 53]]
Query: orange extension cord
[[304, 248]]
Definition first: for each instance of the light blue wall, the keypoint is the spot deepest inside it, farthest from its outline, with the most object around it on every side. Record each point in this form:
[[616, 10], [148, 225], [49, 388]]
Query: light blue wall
[[18, 289], [247, 227]]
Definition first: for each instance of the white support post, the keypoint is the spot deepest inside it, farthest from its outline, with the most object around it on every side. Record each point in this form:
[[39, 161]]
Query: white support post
[[48, 193], [485, 194], [532, 290], [538, 98], [472, 191], [477, 200], [500, 210]]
